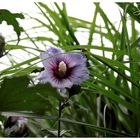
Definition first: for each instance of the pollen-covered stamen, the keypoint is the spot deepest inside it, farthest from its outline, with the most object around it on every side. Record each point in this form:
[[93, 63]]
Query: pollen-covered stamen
[[62, 69]]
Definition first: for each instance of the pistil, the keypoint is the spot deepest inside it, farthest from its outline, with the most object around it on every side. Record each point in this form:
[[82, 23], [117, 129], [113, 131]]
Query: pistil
[[62, 68]]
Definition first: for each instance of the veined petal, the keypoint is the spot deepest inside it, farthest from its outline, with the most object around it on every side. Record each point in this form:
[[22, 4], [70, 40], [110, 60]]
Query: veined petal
[[50, 52], [61, 83], [74, 59], [43, 77], [79, 74]]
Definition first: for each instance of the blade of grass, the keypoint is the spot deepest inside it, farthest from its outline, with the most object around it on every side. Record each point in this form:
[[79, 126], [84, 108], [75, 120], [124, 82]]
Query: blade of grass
[[66, 21], [100, 129], [92, 28], [116, 70]]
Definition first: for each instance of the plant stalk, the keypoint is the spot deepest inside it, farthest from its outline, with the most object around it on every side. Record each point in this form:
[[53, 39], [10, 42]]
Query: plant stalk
[[59, 122]]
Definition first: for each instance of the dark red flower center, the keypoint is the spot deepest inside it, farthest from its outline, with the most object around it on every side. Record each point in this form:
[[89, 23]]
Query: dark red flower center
[[62, 71]]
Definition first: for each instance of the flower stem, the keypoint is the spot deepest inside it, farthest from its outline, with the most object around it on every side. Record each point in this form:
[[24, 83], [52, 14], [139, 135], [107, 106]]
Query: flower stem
[[59, 122], [98, 113]]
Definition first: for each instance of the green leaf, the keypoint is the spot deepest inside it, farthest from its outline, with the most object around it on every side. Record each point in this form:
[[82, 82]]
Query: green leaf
[[18, 65], [116, 98], [92, 28], [17, 95], [103, 60], [10, 18], [20, 47], [65, 20], [88, 47], [100, 129], [132, 10], [53, 16], [116, 88]]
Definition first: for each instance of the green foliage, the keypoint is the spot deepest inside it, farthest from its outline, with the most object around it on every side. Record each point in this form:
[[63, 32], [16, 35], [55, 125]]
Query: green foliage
[[10, 18], [131, 9], [106, 105], [17, 95]]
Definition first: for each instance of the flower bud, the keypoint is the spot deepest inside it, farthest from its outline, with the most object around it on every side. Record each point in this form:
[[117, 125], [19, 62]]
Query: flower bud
[[2, 45], [15, 126]]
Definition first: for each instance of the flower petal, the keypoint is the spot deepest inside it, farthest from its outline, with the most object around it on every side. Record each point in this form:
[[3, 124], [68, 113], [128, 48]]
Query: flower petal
[[79, 74], [74, 59], [43, 77], [61, 83], [50, 52]]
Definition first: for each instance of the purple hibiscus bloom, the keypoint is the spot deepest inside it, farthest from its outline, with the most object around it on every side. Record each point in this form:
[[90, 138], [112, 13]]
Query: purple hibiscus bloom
[[63, 69]]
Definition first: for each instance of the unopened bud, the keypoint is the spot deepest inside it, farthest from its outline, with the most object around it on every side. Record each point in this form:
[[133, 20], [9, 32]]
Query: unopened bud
[[2, 45]]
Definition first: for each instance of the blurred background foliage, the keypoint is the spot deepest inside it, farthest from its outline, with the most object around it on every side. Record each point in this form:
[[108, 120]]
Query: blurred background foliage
[[107, 105]]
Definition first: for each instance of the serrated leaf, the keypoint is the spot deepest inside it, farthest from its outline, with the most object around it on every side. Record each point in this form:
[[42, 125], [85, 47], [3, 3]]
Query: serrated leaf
[[10, 18]]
